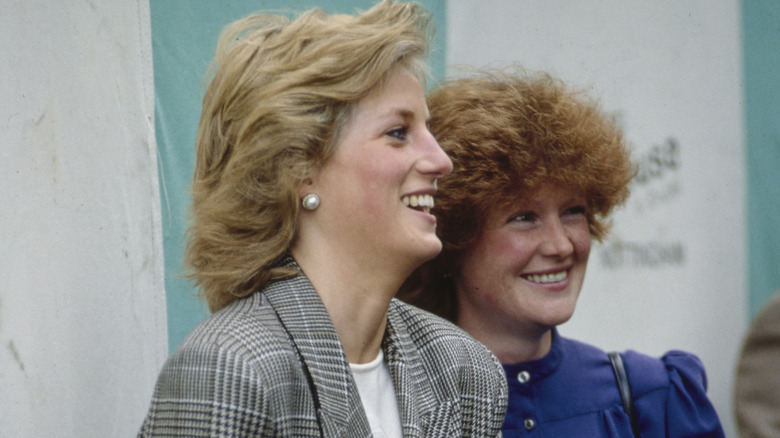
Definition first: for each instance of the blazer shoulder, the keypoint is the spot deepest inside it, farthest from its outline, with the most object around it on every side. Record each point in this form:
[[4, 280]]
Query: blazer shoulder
[[464, 370], [444, 343], [238, 370], [424, 327], [246, 330]]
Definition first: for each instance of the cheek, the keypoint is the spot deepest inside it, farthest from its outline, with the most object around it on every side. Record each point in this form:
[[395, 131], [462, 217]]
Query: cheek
[[581, 241], [513, 251], [368, 188], [380, 181], [495, 257]]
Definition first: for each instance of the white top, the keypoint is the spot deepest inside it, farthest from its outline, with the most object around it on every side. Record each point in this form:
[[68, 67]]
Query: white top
[[378, 396]]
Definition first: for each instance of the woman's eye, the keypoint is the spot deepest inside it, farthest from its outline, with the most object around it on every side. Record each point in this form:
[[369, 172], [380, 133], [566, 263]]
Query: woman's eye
[[398, 133], [525, 217], [579, 210], [576, 214]]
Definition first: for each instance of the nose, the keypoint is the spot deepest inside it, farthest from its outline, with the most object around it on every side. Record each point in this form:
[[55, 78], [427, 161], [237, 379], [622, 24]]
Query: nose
[[435, 161], [556, 241]]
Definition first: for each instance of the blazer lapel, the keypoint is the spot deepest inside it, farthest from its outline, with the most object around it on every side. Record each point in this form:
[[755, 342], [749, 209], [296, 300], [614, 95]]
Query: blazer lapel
[[414, 392], [305, 318]]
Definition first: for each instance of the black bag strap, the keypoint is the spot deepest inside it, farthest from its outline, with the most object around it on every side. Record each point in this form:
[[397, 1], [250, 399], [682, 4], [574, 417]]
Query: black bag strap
[[625, 389]]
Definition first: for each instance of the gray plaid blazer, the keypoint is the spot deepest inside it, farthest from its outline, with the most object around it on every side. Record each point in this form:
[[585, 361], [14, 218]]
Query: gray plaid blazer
[[272, 364]]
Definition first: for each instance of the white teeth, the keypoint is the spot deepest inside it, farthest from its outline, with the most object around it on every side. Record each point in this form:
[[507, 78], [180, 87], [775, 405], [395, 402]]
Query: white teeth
[[425, 201], [547, 278]]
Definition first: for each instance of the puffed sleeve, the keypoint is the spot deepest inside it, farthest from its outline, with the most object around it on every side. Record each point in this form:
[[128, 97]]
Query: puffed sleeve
[[689, 411]]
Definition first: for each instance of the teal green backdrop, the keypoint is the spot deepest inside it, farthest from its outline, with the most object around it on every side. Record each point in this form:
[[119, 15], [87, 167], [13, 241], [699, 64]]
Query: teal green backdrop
[[184, 38], [761, 67]]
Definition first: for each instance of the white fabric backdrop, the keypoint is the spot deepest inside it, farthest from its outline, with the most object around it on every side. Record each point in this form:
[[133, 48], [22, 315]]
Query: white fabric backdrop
[[672, 275], [82, 305]]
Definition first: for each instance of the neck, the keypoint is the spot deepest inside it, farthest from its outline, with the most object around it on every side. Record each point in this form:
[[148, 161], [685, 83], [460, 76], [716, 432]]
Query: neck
[[355, 293], [510, 345], [523, 349]]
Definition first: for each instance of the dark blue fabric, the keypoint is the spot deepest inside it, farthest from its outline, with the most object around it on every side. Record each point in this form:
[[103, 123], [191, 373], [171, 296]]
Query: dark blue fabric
[[572, 392]]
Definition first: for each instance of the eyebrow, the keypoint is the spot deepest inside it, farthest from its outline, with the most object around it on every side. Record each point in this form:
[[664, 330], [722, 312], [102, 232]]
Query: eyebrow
[[405, 113]]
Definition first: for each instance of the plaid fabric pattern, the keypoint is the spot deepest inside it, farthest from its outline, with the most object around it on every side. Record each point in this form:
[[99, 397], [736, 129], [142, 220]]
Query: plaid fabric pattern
[[271, 365]]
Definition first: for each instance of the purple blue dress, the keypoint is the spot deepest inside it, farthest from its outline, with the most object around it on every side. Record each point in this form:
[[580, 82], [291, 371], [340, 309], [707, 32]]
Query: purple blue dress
[[571, 392]]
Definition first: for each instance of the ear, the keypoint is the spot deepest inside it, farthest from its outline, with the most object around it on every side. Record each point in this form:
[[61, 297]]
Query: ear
[[305, 187]]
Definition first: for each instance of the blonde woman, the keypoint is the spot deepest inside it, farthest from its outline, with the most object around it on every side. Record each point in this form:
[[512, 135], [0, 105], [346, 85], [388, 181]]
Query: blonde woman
[[314, 179]]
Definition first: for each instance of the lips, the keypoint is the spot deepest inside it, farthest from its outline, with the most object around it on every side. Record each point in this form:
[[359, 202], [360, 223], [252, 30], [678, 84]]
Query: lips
[[553, 277], [418, 202]]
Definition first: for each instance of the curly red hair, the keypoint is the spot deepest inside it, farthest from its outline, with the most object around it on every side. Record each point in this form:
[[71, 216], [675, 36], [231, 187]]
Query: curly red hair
[[507, 134]]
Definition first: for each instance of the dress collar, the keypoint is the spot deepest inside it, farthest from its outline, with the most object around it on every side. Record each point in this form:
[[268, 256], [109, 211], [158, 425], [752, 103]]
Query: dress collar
[[543, 366]]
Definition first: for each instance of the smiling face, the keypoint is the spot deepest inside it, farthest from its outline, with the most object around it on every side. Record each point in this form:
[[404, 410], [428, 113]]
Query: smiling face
[[525, 271], [378, 186]]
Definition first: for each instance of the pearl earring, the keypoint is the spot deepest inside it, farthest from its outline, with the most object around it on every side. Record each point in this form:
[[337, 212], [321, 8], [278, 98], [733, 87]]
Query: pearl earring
[[310, 202]]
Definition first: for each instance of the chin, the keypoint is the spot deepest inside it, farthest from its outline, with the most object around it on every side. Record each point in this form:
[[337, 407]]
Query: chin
[[562, 318], [429, 251]]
